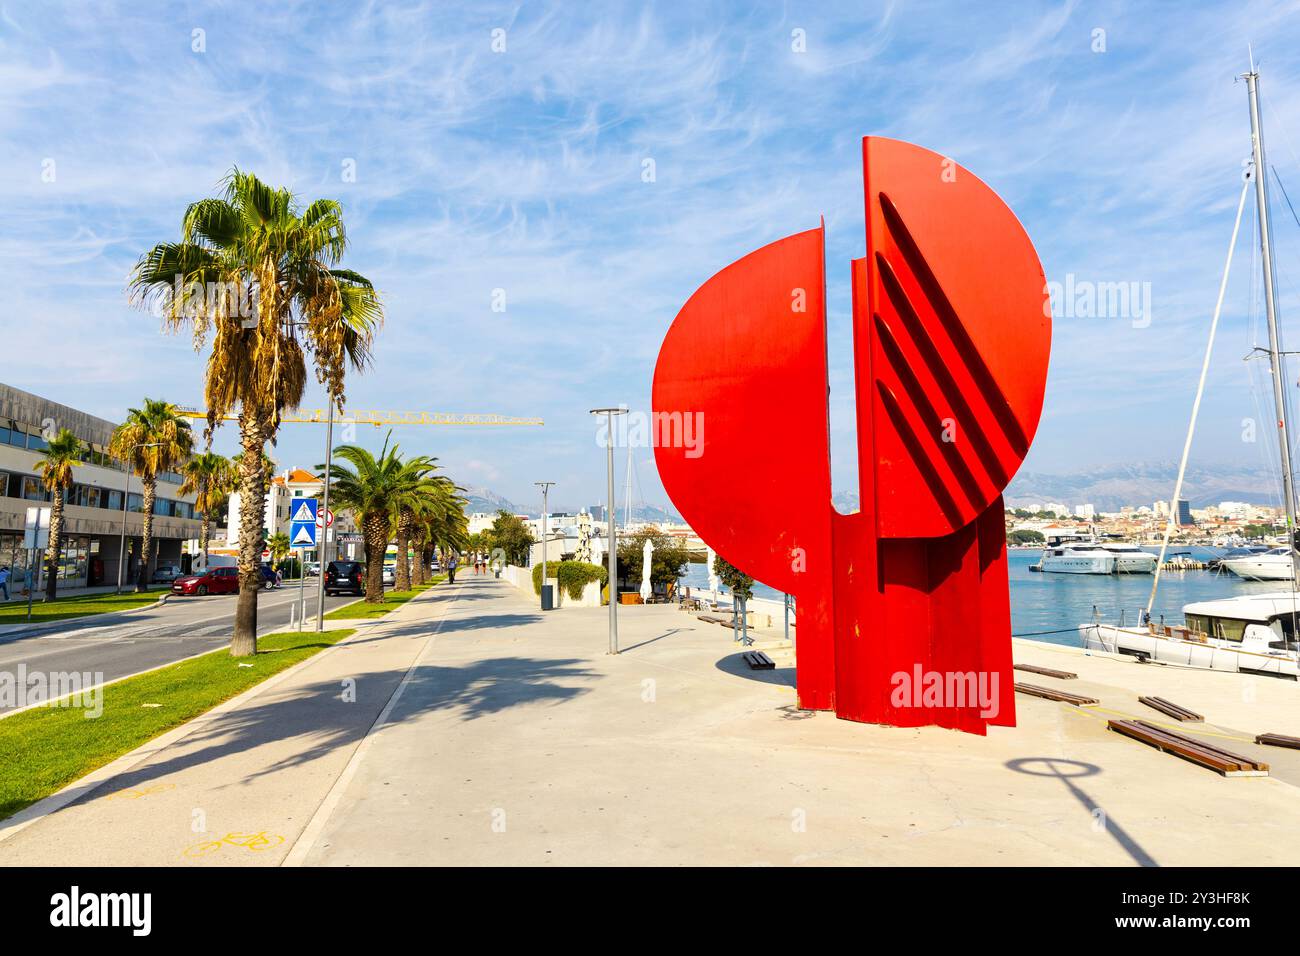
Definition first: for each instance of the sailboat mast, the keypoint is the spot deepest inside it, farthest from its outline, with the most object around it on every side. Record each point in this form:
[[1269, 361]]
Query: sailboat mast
[[1270, 303]]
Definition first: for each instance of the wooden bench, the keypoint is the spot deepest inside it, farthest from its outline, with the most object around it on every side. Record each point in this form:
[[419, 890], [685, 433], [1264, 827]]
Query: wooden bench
[[1170, 709], [1046, 671], [758, 661], [1049, 694], [1189, 748], [1278, 740], [712, 619]]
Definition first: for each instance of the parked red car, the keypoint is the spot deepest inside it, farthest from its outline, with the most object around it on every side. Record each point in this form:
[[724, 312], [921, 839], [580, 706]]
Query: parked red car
[[213, 581]]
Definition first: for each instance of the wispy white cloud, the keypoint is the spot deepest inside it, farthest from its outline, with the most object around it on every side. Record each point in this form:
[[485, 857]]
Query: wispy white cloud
[[523, 170]]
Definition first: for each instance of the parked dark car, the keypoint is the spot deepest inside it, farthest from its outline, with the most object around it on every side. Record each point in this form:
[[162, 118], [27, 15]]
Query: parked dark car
[[345, 577], [212, 581]]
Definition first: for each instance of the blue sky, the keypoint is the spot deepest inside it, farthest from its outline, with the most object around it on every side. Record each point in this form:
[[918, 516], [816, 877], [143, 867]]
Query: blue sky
[[521, 170]]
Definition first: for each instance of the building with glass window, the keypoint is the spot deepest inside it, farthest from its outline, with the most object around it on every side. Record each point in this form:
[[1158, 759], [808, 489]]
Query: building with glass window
[[93, 518]]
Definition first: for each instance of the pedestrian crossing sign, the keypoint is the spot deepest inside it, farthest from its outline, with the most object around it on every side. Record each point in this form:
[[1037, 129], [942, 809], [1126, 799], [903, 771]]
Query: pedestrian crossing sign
[[302, 523]]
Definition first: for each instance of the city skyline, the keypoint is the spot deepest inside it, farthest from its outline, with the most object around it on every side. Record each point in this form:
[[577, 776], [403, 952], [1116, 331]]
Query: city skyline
[[561, 202]]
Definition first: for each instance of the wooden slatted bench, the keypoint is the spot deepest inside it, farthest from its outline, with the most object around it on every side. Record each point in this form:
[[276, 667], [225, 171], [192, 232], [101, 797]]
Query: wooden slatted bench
[[1278, 740], [1189, 748], [712, 619], [1046, 671], [1170, 709], [1048, 693], [758, 661]]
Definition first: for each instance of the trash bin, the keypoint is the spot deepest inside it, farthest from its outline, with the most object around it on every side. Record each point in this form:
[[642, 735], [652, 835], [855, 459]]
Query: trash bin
[[548, 597]]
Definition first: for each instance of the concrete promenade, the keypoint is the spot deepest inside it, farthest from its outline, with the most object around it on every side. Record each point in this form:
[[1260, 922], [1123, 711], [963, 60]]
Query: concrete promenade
[[515, 739]]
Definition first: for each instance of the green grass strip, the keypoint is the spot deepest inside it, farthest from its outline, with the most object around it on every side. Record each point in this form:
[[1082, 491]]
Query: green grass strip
[[44, 749], [392, 600], [15, 612]]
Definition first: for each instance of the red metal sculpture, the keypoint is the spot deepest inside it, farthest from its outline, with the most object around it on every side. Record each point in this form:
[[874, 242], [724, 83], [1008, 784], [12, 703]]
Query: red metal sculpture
[[903, 611]]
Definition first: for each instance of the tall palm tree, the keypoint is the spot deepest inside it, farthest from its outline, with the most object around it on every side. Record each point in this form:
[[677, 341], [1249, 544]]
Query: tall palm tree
[[210, 478], [153, 439], [373, 490], [424, 497], [63, 452], [258, 272]]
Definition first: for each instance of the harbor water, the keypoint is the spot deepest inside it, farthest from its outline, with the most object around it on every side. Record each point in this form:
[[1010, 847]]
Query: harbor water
[[1049, 607]]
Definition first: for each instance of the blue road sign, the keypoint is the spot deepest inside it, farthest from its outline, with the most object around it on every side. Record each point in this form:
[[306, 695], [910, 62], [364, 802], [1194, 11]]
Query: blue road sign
[[302, 523]]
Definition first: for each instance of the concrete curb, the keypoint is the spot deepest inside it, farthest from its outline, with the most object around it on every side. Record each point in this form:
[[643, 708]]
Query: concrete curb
[[105, 774]]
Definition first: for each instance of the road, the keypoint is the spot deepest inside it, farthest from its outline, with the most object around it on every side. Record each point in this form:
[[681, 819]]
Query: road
[[182, 627]]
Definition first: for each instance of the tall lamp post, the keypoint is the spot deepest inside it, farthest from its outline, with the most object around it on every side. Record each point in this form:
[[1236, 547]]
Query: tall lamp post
[[126, 495], [323, 549], [548, 599], [609, 414]]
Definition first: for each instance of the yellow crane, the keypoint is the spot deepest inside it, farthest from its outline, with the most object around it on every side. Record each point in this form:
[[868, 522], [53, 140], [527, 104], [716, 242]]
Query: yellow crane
[[320, 416]]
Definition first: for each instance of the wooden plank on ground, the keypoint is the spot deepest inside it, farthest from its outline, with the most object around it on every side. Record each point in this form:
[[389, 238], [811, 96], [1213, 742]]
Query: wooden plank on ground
[[1050, 693], [1170, 709], [1278, 740], [758, 661], [1046, 671], [1189, 748]]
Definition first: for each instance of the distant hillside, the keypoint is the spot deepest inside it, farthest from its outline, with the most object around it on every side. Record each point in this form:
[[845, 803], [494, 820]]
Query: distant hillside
[[1132, 483], [488, 502]]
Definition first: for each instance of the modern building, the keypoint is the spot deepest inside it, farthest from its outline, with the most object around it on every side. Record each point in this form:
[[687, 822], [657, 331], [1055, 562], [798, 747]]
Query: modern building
[[93, 518], [1184, 512], [1085, 511]]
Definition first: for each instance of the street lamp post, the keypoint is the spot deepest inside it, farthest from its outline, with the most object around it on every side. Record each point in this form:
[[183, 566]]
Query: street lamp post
[[126, 495], [545, 486], [609, 414], [323, 549]]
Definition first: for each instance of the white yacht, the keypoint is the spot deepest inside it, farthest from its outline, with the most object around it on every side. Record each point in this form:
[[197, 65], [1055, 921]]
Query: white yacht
[[1077, 558], [1274, 565], [1130, 559], [1251, 633]]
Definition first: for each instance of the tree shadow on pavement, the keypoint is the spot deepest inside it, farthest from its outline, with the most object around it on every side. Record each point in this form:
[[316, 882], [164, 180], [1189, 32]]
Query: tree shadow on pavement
[[318, 720]]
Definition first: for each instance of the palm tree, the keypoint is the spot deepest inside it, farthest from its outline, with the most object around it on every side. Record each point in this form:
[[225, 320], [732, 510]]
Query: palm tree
[[279, 546], [57, 460], [373, 489], [153, 439], [423, 498], [257, 271], [210, 478]]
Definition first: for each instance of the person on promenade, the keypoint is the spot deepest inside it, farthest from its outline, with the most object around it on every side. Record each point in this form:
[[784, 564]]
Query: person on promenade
[[451, 568], [4, 580]]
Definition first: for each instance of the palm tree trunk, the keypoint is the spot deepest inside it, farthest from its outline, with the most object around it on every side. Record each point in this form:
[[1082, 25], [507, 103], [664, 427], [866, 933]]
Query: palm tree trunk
[[418, 566], [205, 531], [252, 502], [402, 577], [52, 551], [375, 527], [146, 533]]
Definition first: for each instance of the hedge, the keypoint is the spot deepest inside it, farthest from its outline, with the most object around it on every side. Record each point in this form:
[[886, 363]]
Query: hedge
[[573, 576]]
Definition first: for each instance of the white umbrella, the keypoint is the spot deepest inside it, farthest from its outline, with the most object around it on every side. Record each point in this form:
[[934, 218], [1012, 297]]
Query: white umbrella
[[646, 552], [597, 552], [713, 575]]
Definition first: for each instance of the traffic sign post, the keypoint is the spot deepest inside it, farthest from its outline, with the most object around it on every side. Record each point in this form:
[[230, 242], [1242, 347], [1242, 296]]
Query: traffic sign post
[[303, 516], [36, 538]]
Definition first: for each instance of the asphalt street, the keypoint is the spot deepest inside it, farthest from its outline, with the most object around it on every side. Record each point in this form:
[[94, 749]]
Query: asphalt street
[[130, 643]]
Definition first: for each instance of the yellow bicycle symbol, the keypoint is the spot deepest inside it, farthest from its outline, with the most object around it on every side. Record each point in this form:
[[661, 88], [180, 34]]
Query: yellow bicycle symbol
[[135, 793], [249, 841]]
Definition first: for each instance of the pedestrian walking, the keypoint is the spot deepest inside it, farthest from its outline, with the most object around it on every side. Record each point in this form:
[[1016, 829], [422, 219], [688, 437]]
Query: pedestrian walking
[[4, 580], [451, 569]]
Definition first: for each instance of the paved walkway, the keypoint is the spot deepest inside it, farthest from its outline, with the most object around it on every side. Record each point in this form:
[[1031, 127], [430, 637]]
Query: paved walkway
[[505, 736]]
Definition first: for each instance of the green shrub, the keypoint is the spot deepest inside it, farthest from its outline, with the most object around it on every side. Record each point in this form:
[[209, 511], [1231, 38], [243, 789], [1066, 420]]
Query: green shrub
[[573, 576]]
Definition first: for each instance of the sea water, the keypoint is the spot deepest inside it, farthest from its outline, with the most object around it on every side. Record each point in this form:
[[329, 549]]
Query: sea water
[[1050, 607]]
